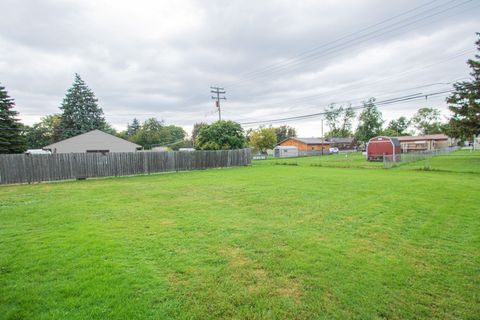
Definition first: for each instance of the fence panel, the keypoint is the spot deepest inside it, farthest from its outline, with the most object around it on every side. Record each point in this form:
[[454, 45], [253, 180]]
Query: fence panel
[[20, 168], [389, 161]]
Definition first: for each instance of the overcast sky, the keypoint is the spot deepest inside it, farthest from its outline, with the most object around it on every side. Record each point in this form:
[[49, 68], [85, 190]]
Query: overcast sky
[[275, 59]]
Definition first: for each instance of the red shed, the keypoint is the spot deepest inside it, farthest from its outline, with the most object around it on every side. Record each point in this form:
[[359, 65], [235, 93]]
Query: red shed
[[379, 147]]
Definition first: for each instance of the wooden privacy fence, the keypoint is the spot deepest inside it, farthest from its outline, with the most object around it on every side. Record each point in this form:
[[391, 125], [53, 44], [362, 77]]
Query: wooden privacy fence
[[20, 168]]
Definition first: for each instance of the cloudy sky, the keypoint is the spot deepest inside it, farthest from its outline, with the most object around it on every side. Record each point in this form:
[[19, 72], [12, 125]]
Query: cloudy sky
[[275, 59]]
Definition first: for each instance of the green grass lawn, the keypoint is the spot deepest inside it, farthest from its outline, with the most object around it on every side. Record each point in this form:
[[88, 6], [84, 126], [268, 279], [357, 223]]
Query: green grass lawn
[[459, 161], [260, 242], [349, 160]]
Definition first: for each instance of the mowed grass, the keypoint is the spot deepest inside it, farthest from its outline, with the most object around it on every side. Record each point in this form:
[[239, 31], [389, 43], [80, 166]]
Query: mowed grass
[[260, 242], [349, 160], [459, 161]]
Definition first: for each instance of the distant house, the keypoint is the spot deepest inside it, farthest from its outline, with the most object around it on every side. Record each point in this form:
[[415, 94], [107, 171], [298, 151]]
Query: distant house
[[93, 141], [342, 143], [306, 144], [425, 143]]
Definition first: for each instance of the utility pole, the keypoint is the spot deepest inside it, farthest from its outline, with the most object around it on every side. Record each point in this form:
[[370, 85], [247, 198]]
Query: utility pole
[[218, 91], [322, 137]]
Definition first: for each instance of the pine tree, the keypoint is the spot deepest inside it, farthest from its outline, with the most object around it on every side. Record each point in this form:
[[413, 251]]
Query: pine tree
[[11, 138], [465, 103], [133, 128], [80, 111]]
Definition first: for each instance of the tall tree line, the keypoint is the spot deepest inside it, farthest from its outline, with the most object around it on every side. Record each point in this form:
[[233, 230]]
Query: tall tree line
[[155, 133]]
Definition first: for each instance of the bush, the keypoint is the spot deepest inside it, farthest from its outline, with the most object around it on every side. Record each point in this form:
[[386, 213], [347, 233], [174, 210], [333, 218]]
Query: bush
[[221, 135]]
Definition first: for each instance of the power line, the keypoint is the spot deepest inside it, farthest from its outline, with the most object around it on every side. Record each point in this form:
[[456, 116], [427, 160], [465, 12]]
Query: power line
[[341, 46], [323, 113], [353, 99], [379, 103], [369, 84], [343, 37]]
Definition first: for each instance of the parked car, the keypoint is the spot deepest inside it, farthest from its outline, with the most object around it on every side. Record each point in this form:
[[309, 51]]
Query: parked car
[[333, 150]]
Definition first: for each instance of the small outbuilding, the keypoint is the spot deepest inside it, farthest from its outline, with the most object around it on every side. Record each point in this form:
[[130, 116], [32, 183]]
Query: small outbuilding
[[379, 147], [285, 152]]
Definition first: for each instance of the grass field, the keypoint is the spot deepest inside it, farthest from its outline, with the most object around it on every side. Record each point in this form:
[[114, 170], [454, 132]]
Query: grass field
[[350, 160], [270, 241], [459, 161]]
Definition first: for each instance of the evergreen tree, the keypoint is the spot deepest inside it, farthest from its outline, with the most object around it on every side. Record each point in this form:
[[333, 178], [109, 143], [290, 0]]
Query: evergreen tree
[[11, 137], [133, 128], [80, 111], [465, 103], [370, 122]]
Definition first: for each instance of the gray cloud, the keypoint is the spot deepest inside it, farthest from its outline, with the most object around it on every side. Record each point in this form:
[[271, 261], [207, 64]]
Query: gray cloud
[[158, 58]]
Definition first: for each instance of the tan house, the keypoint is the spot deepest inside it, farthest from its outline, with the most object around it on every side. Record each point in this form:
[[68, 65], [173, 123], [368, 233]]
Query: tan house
[[306, 144], [93, 141], [425, 143]]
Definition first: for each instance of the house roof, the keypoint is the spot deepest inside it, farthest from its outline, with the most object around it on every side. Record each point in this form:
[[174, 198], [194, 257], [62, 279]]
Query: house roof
[[439, 136], [96, 131], [341, 140], [394, 140], [307, 140]]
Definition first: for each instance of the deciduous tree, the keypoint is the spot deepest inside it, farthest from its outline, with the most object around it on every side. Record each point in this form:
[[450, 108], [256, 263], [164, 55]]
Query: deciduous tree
[[339, 120], [285, 131], [196, 130], [397, 127], [427, 121], [370, 122], [221, 135], [43, 133], [155, 133], [263, 139]]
